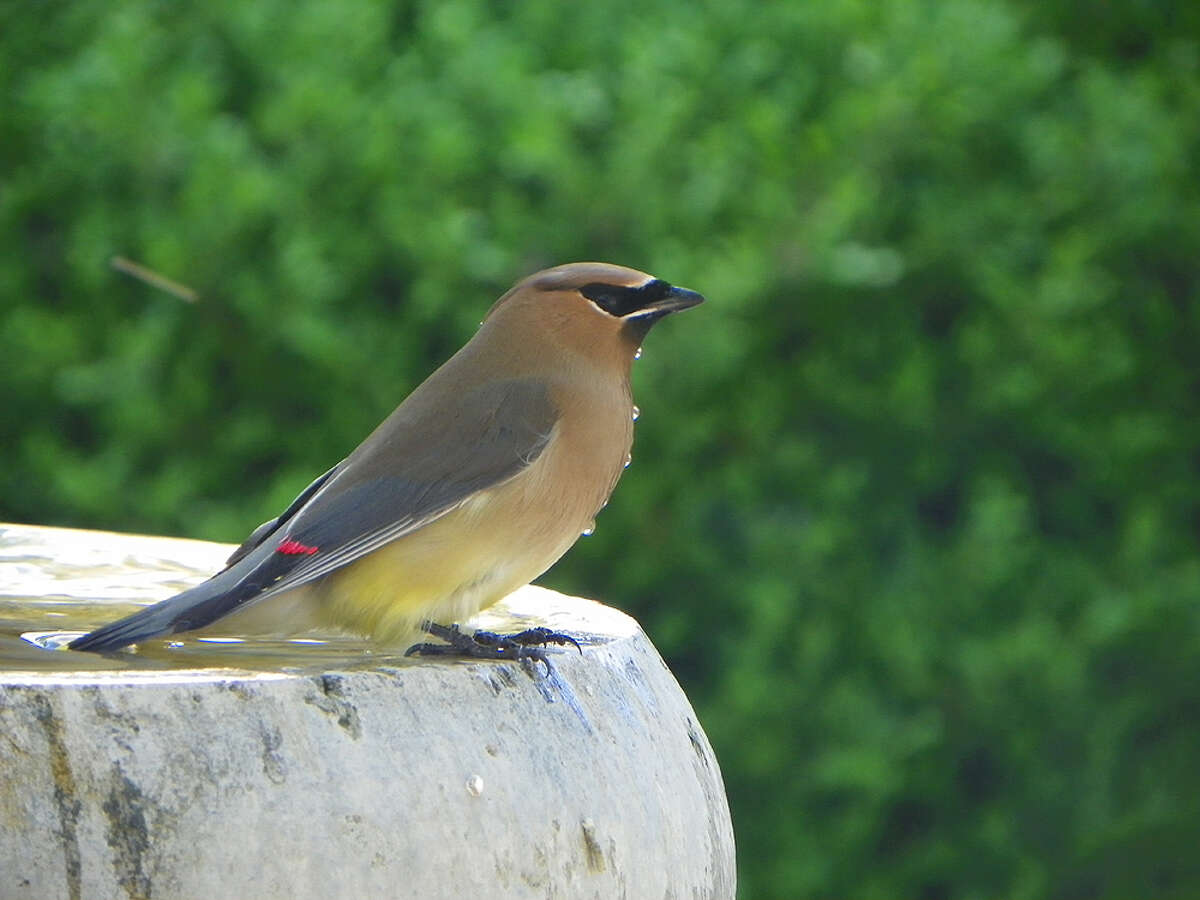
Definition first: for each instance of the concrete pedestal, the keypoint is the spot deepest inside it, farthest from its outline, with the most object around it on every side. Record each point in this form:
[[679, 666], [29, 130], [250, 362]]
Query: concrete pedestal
[[339, 770]]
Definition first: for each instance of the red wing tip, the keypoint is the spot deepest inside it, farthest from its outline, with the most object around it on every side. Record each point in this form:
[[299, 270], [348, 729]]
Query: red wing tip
[[295, 548]]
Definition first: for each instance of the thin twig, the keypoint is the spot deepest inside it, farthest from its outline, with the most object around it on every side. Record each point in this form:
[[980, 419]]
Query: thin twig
[[152, 278]]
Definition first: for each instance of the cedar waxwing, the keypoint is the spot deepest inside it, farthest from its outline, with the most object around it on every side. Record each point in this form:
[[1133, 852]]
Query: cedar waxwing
[[478, 482]]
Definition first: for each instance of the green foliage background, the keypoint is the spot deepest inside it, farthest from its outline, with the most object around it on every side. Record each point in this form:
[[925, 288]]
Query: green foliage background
[[916, 504]]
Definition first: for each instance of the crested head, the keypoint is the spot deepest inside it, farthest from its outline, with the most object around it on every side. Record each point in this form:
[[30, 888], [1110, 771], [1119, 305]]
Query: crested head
[[595, 299], [573, 276]]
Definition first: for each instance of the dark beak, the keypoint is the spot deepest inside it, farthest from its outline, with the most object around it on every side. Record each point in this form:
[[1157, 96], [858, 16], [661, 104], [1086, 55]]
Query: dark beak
[[674, 300]]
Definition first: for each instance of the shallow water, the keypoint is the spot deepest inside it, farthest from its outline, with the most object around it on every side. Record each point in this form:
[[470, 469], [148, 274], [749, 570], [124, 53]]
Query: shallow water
[[34, 633], [57, 583]]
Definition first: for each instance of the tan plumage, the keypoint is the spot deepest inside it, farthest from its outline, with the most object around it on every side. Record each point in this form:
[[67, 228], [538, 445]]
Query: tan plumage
[[478, 482]]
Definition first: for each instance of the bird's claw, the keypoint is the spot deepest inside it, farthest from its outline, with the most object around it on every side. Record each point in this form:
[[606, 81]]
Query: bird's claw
[[530, 637], [524, 646]]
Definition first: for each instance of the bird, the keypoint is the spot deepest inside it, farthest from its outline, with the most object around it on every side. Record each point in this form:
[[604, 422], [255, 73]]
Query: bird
[[482, 478]]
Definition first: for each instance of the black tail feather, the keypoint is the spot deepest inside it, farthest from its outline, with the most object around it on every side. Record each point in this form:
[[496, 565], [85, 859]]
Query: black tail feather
[[194, 608], [140, 626]]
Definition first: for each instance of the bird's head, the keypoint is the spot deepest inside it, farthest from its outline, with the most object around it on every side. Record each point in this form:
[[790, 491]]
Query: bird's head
[[598, 308]]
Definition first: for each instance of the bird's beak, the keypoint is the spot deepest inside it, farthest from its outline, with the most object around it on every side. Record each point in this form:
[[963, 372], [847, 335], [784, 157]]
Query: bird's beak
[[676, 299]]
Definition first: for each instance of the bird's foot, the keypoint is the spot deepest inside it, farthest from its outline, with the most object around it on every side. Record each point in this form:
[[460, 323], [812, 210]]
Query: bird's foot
[[524, 646]]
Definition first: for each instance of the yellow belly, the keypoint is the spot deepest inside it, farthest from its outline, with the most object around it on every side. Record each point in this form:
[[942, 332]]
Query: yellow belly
[[445, 572]]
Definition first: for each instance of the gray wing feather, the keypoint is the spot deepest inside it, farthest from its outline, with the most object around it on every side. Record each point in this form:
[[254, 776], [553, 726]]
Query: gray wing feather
[[401, 479], [269, 527]]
